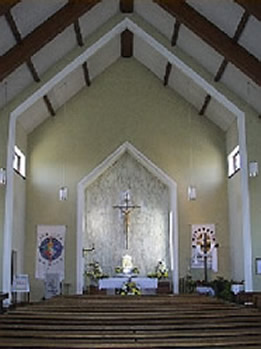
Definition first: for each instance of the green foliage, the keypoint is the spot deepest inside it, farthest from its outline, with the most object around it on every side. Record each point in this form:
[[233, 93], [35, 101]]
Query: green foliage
[[130, 288], [96, 271], [161, 271], [134, 270], [221, 286]]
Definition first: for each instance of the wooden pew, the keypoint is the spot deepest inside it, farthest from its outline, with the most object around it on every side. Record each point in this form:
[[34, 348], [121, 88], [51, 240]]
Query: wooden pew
[[131, 322]]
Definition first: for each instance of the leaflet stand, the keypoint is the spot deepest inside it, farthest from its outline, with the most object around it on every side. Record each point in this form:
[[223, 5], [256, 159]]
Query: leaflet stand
[[21, 285]]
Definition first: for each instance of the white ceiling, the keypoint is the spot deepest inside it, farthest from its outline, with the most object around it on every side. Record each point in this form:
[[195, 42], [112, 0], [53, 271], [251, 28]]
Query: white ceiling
[[225, 14]]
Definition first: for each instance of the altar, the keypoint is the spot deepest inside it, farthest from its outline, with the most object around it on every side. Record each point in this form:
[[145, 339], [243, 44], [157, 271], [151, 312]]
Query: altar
[[147, 285]]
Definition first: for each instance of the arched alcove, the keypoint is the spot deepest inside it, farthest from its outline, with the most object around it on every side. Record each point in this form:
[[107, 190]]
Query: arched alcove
[[168, 188]]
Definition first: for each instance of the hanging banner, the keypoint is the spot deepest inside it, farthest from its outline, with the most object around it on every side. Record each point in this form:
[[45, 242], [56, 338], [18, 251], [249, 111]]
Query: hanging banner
[[203, 240], [50, 250]]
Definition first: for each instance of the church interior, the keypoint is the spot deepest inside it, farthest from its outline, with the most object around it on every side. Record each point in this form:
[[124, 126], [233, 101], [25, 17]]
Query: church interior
[[129, 148]]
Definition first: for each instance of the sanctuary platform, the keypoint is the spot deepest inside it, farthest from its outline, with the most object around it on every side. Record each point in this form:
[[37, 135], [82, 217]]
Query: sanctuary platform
[[169, 321]]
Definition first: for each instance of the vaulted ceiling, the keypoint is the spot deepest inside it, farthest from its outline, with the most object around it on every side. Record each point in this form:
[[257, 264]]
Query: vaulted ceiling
[[223, 37]]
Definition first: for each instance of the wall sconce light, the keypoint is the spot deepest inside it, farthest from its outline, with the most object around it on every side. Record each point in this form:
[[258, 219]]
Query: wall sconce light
[[2, 176], [192, 193], [253, 168], [63, 193]]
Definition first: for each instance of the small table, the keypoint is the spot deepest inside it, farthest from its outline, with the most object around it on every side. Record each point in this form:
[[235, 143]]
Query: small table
[[237, 288], [205, 290]]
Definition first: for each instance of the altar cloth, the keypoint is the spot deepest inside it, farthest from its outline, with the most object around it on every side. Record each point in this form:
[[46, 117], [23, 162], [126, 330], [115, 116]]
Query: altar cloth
[[113, 282], [117, 282]]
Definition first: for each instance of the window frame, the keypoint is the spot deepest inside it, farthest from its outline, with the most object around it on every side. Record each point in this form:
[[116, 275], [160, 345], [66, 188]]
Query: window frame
[[234, 162], [19, 162]]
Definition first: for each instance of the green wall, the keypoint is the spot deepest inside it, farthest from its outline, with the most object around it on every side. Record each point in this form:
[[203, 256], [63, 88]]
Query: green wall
[[126, 103]]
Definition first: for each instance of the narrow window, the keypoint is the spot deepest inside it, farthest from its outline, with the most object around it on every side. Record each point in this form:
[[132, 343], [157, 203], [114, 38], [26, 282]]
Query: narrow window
[[19, 162], [233, 161]]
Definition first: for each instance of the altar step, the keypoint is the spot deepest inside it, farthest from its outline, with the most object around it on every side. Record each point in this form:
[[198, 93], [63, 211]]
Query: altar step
[[127, 322]]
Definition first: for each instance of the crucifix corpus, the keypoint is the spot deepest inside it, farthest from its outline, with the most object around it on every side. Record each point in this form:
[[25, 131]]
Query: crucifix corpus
[[126, 209]]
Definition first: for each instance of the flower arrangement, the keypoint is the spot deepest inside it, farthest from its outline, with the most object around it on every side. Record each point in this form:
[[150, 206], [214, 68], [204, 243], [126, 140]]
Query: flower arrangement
[[161, 271], [130, 288], [96, 271], [120, 270]]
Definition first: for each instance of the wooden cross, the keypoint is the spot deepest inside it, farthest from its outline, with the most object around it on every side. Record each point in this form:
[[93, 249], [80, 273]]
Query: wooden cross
[[206, 248], [126, 210]]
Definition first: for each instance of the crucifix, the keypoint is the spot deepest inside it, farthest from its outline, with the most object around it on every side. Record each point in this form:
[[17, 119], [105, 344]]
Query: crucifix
[[126, 209]]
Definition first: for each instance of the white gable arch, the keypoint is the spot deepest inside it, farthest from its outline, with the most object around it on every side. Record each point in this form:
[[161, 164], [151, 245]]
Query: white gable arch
[[173, 216]]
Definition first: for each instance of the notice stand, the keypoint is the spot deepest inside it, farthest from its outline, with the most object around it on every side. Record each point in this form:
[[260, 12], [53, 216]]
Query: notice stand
[[21, 285], [52, 285]]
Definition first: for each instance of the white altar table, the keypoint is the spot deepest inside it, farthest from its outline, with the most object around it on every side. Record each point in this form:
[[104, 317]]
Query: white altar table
[[147, 285], [112, 283]]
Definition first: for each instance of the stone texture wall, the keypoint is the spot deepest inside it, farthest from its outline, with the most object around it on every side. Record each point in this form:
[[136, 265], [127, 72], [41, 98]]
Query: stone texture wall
[[148, 229]]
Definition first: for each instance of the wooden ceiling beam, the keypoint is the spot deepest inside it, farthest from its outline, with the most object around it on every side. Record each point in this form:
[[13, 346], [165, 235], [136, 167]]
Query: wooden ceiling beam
[[238, 32], [205, 105], [78, 33], [86, 74], [215, 37], [253, 7], [167, 73], [126, 43], [49, 105], [16, 33], [126, 6], [221, 70], [175, 35], [42, 35], [241, 26], [6, 6]]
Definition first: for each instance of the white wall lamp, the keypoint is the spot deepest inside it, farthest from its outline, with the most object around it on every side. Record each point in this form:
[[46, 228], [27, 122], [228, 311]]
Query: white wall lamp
[[2, 176], [253, 168], [63, 193], [192, 193]]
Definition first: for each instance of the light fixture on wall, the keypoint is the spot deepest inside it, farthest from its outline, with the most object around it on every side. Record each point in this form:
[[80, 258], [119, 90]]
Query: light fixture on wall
[[253, 168], [192, 193], [2, 176], [63, 193]]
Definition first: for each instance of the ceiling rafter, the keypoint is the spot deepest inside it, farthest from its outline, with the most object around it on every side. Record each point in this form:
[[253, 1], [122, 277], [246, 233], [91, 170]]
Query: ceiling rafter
[[86, 74], [7, 5], [215, 37], [175, 35], [126, 44], [78, 33], [49, 105], [167, 73], [42, 35], [126, 6], [16, 33], [79, 38], [241, 26], [253, 7], [205, 105]]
